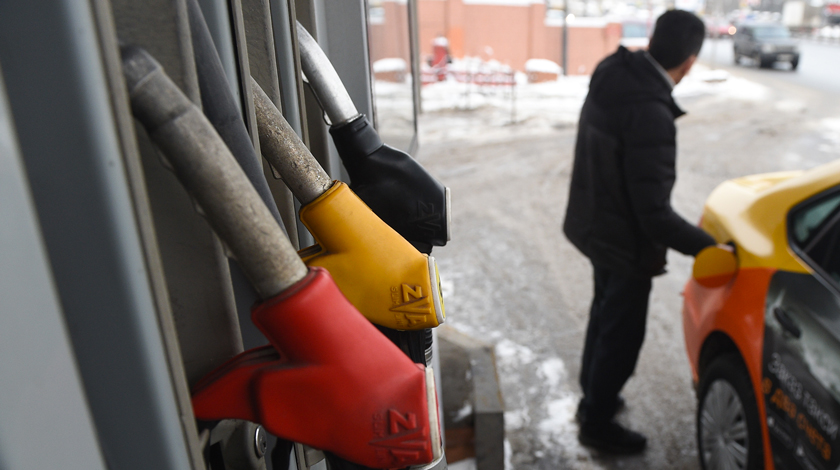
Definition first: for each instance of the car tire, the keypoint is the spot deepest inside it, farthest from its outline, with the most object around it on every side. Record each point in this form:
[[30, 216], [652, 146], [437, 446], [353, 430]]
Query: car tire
[[728, 428], [765, 63], [794, 63]]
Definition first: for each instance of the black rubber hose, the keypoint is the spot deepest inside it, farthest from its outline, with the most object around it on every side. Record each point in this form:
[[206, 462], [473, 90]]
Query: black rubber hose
[[221, 108]]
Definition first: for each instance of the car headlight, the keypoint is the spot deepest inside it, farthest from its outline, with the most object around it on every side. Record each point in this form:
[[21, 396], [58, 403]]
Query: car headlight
[[768, 48]]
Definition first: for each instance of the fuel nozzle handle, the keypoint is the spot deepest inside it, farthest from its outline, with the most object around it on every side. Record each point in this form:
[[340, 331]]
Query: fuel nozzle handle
[[324, 80], [210, 173]]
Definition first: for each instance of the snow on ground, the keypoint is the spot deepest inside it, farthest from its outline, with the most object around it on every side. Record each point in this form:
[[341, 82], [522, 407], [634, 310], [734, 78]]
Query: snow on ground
[[830, 128], [705, 81], [468, 110], [557, 428]]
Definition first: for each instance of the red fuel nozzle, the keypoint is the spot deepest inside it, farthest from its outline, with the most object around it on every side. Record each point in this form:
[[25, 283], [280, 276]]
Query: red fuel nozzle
[[329, 380]]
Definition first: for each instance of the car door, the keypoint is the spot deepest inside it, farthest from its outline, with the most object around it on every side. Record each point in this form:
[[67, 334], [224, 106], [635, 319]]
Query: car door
[[801, 359]]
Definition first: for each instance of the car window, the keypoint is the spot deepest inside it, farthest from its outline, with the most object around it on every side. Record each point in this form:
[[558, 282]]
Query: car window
[[815, 234], [825, 251], [771, 32], [808, 219]]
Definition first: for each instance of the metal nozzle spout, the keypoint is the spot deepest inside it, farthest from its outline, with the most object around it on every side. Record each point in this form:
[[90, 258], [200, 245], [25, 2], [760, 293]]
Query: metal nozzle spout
[[324, 80]]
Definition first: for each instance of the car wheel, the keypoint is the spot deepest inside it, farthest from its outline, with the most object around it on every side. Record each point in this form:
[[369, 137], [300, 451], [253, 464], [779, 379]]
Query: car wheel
[[728, 430], [765, 63], [794, 63]]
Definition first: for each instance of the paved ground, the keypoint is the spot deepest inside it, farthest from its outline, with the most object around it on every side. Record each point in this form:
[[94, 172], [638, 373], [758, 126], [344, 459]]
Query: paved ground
[[511, 278]]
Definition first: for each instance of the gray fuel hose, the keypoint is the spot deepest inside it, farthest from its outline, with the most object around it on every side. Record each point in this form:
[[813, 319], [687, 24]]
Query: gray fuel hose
[[286, 152], [207, 169]]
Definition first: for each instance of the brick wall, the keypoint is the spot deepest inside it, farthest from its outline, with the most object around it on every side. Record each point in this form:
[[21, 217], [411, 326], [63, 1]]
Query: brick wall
[[515, 31]]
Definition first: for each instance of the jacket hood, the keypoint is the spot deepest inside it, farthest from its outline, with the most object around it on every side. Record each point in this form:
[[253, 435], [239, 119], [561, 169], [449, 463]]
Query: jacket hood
[[625, 78]]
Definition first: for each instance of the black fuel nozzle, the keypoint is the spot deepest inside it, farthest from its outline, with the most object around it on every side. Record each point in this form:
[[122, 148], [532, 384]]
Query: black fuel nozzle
[[394, 185]]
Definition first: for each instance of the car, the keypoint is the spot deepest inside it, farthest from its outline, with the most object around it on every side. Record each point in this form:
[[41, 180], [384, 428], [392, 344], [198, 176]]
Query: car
[[766, 44], [761, 322]]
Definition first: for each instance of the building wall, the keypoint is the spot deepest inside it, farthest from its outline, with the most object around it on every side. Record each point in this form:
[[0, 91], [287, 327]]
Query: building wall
[[515, 31], [388, 34]]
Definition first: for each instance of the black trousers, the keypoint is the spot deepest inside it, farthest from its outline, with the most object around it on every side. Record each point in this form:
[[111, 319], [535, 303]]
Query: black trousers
[[613, 339]]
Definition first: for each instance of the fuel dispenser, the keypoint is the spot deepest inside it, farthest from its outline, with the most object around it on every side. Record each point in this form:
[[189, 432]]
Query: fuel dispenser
[[383, 275], [395, 186], [328, 378]]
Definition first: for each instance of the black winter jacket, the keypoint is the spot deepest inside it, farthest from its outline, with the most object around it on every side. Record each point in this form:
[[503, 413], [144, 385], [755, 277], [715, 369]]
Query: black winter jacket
[[619, 212]]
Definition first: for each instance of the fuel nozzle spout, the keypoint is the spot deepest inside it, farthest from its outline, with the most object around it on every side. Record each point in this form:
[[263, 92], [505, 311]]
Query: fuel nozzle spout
[[328, 379], [392, 183]]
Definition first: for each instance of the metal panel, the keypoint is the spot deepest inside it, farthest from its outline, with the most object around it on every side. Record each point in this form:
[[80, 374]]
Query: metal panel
[[34, 346], [217, 15], [59, 100], [347, 48]]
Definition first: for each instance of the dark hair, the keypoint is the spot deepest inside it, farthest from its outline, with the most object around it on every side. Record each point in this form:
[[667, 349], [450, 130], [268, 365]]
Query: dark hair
[[678, 35]]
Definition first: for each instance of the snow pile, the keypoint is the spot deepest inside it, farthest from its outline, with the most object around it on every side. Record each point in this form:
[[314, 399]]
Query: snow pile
[[509, 353], [831, 32], [529, 108], [467, 111], [542, 66], [550, 402], [390, 64], [703, 81], [553, 371], [831, 133], [713, 76], [466, 464], [559, 429], [477, 64]]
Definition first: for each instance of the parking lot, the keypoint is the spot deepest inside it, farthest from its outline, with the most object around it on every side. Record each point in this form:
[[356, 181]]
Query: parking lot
[[511, 278]]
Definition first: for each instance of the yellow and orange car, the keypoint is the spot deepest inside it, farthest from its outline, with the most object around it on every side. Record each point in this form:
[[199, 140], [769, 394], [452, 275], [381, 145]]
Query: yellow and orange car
[[762, 328]]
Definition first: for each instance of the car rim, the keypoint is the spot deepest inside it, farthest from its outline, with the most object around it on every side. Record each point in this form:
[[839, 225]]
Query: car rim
[[723, 428]]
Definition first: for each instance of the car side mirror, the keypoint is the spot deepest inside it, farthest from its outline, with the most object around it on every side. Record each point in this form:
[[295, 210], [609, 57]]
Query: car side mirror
[[714, 266]]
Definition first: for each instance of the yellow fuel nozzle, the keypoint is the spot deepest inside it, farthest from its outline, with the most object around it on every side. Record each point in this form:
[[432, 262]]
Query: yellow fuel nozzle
[[382, 274]]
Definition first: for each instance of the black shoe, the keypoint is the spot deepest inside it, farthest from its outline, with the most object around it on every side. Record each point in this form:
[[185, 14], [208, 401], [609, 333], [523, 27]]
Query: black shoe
[[612, 437], [619, 406]]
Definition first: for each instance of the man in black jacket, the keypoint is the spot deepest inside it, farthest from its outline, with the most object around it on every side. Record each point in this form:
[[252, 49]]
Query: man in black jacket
[[619, 213]]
